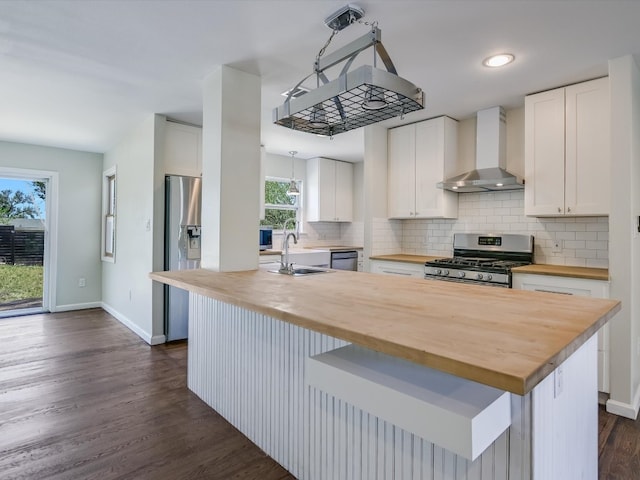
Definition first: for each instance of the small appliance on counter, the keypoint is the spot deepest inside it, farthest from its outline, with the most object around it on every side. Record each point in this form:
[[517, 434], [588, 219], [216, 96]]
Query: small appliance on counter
[[482, 259], [266, 238]]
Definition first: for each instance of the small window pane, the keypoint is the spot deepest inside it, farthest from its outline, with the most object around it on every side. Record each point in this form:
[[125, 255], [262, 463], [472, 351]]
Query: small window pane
[[275, 193], [109, 236], [276, 217]]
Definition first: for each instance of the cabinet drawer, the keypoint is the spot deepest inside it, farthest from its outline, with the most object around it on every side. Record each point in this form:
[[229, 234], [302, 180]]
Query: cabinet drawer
[[397, 268]]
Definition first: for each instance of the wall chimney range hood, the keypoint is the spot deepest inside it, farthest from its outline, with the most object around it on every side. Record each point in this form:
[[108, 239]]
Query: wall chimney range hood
[[490, 174]]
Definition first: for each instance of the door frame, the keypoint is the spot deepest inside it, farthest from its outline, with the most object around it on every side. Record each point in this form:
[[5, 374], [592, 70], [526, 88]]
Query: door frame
[[50, 262]]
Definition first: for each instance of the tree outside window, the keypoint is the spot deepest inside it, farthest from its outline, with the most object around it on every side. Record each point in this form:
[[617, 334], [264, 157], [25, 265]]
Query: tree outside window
[[278, 205]]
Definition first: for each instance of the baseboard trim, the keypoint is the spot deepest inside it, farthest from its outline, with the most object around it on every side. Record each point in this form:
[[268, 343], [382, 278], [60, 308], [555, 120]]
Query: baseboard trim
[[147, 337], [76, 306], [158, 339], [625, 409]]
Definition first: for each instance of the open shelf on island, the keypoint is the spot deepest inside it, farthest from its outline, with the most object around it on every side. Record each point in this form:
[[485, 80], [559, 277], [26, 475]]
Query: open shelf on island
[[460, 415]]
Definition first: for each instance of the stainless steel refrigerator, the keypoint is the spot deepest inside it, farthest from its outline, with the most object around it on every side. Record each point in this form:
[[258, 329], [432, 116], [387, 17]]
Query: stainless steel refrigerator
[[183, 200]]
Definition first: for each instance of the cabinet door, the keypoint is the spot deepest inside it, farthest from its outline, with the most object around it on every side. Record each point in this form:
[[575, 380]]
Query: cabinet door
[[182, 150], [544, 153], [436, 144], [344, 192], [320, 190], [327, 190], [587, 158], [401, 172]]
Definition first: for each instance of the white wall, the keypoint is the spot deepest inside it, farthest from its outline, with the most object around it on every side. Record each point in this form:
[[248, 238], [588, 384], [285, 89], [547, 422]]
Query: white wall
[[624, 77], [79, 217], [127, 289]]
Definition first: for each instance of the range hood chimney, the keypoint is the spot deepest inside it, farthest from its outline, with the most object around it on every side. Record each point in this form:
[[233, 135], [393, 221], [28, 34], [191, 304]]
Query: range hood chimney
[[490, 174]]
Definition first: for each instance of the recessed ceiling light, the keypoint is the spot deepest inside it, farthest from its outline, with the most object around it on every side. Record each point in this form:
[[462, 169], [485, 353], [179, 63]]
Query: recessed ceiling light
[[499, 60], [295, 92]]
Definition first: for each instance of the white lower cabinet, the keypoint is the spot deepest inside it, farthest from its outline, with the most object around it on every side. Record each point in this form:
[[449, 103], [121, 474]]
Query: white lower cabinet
[[404, 269], [574, 286]]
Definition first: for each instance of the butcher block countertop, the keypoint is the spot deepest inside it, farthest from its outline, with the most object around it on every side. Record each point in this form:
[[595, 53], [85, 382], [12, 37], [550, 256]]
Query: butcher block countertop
[[508, 339], [565, 271], [401, 257], [270, 252]]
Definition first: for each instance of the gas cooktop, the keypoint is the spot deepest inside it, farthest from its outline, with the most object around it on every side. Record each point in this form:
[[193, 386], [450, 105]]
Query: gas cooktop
[[483, 258]]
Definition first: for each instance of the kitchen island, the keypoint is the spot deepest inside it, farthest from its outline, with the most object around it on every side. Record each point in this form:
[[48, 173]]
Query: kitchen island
[[251, 335]]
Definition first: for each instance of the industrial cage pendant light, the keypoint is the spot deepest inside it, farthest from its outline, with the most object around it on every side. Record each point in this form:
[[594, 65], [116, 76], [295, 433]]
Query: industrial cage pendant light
[[355, 99], [293, 185]]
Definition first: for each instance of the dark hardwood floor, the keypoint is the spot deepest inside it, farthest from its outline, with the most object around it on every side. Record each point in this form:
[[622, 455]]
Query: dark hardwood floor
[[618, 447], [82, 397]]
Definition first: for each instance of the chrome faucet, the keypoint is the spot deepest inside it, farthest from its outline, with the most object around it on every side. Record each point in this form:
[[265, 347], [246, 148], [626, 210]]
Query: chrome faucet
[[285, 266], [284, 230]]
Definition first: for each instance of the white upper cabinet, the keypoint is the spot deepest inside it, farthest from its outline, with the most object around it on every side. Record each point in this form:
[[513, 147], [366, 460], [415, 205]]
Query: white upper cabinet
[[419, 156], [329, 191], [182, 150], [567, 151]]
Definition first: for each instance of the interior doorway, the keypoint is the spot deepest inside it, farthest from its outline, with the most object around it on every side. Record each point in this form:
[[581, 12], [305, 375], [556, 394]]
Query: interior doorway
[[25, 241]]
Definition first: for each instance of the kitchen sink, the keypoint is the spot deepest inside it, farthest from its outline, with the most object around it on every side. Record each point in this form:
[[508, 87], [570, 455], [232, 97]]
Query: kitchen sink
[[301, 271]]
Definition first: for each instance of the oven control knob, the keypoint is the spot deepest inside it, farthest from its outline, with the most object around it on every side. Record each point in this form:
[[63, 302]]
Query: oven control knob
[[489, 277], [437, 271], [479, 276], [445, 273], [461, 274]]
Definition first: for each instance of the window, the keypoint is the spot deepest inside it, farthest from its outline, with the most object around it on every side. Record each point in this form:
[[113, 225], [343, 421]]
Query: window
[[278, 206], [109, 215]]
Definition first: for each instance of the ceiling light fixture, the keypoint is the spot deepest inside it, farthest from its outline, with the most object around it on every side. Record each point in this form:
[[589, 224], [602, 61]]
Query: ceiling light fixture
[[500, 60], [293, 185], [355, 99]]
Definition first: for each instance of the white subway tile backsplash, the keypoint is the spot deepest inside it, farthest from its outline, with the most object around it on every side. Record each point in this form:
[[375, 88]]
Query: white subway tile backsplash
[[584, 240]]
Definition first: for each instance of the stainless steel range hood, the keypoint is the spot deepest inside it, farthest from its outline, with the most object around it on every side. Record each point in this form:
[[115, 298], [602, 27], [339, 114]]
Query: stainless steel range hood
[[490, 174]]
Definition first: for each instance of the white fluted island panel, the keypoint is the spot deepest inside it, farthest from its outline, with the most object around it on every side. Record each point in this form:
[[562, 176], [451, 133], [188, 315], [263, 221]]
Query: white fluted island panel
[[250, 368]]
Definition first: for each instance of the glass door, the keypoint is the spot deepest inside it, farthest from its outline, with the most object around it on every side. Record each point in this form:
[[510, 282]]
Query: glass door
[[22, 245]]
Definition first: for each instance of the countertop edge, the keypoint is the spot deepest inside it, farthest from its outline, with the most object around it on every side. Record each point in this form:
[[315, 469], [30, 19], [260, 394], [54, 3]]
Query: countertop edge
[[404, 257], [587, 273]]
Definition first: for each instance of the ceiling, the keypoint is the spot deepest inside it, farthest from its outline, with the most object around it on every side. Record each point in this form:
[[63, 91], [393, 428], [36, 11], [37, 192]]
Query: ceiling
[[80, 74]]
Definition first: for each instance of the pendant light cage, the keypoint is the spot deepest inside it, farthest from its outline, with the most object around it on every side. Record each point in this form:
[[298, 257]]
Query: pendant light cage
[[293, 189]]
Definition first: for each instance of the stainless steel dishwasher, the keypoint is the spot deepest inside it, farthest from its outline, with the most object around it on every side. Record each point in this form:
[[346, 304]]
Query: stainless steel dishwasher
[[345, 260]]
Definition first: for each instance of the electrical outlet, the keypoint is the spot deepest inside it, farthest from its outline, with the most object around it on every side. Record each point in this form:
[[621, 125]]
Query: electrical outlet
[[557, 246], [82, 282], [558, 382]]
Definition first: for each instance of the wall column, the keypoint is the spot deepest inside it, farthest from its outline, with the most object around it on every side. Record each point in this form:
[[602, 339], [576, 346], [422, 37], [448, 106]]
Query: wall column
[[375, 184], [230, 170], [624, 239]]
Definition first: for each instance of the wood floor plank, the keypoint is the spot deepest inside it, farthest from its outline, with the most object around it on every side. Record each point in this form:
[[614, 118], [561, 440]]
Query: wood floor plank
[[620, 455], [82, 397]]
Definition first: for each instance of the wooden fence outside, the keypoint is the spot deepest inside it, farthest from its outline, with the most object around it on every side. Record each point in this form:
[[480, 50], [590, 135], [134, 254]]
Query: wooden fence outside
[[21, 247]]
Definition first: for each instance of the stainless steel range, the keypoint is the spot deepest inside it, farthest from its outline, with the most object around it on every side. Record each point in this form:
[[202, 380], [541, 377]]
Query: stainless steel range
[[485, 259]]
